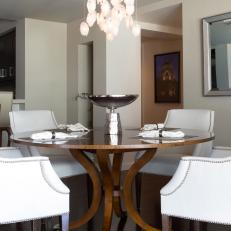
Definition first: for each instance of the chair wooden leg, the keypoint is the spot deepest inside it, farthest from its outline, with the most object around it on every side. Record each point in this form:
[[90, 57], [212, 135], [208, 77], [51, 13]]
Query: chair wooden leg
[[65, 222], [204, 226], [49, 223], [138, 182], [8, 130], [32, 225], [166, 223], [35, 225], [43, 224], [1, 137], [195, 225], [19, 227]]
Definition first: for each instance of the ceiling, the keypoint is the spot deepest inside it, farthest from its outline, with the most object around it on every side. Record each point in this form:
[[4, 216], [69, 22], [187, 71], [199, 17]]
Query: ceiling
[[69, 10], [146, 2], [54, 10], [169, 16], [150, 35]]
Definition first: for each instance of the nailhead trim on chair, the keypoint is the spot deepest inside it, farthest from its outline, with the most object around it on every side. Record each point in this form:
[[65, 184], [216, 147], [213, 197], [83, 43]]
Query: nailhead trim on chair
[[16, 161], [180, 184], [36, 218], [187, 172], [208, 161]]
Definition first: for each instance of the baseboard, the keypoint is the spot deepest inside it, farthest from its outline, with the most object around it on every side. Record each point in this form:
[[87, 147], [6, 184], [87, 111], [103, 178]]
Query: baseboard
[[221, 151]]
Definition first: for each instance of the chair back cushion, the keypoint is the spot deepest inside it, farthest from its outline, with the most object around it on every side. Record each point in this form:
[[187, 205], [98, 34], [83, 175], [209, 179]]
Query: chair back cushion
[[29, 121], [6, 99], [190, 119]]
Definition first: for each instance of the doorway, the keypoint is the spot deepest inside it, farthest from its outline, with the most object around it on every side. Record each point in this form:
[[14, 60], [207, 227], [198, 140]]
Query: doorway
[[85, 83]]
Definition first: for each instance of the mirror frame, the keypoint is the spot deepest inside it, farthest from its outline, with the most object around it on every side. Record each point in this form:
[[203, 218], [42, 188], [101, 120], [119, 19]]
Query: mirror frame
[[207, 55]]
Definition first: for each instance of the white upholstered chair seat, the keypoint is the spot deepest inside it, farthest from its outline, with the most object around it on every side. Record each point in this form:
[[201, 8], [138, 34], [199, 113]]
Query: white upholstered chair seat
[[30, 189], [199, 190], [66, 165], [166, 160], [163, 164], [61, 159]]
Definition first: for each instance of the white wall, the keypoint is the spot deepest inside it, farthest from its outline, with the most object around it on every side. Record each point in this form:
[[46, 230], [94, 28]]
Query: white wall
[[124, 73], [45, 67], [99, 69], [193, 12]]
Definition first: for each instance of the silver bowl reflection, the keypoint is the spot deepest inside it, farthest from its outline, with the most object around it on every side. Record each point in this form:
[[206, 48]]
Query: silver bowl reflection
[[113, 124], [112, 101]]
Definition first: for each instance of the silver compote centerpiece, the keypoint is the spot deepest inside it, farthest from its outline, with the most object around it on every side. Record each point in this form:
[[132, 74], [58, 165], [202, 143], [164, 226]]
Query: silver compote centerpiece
[[111, 102]]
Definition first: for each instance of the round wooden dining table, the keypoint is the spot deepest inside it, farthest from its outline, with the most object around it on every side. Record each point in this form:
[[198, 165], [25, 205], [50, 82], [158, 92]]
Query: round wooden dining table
[[106, 173]]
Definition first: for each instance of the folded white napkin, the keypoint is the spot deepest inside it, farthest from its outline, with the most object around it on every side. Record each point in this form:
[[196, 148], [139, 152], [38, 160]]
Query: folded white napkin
[[149, 127], [47, 135], [158, 133], [157, 141], [78, 127]]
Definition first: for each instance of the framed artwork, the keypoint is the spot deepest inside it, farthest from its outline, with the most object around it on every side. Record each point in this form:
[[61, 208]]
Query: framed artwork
[[167, 77]]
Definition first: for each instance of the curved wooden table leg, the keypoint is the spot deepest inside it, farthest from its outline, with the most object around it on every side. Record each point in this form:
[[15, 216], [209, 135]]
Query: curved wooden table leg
[[116, 173], [145, 158], [83, 159], [105, 168]]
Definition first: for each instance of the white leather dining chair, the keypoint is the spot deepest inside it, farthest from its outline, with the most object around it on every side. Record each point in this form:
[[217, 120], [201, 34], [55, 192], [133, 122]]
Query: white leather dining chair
[[30, 189], [6, 100], [31, 121], [165, 161], [198, 191]]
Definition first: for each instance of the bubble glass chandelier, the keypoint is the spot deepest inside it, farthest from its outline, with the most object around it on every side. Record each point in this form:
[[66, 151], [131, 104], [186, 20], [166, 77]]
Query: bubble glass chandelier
[[108, 14]]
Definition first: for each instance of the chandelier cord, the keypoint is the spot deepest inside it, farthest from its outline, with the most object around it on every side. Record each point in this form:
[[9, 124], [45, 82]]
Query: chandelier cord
[[136, 10]]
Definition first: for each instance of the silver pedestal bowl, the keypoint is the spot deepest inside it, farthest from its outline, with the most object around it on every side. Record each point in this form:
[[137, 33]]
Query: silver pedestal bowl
[[111, 102]]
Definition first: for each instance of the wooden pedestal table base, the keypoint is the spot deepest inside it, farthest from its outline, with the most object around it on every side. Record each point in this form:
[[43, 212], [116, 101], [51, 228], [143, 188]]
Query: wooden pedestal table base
[[111, 182], [83, 159], [129, 178]]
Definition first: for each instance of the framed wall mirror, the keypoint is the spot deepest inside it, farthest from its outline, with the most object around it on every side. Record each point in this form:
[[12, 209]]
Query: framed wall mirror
[[217, 55]]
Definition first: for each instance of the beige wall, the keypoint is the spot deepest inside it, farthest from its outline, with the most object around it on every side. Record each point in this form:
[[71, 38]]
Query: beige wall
[[124, 73], [193, 12], [45, 66], [155, 112]]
